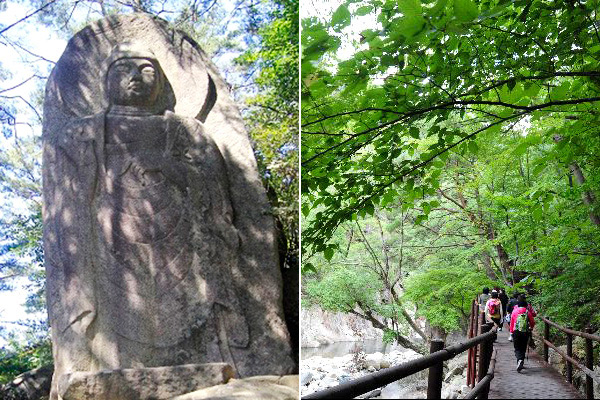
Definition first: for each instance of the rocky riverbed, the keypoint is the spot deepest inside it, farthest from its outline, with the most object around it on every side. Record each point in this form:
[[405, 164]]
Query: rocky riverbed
[[319, 373]]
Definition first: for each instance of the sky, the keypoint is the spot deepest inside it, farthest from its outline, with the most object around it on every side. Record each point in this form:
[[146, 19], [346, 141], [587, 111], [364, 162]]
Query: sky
[[45, 43], [350, 36]]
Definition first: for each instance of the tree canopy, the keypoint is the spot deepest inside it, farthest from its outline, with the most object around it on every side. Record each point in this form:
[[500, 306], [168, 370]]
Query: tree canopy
[[478, 120]]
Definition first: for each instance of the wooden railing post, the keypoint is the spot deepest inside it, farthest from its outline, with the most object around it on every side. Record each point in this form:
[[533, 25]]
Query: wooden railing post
[[436, 372], [547, 337], [479, 322], [470, 359], [483, 365], [589, 362], [485, 355], [570, 354]]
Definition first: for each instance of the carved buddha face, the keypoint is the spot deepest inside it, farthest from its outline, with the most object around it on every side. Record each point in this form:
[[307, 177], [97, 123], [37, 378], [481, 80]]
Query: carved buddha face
[[133, 82]]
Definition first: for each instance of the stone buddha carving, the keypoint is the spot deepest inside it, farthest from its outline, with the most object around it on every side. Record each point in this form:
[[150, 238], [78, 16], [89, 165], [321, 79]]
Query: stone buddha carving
[[158, 243]]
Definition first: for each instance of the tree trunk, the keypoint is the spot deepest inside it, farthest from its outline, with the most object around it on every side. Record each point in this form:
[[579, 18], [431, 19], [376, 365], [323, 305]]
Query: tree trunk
[[402, 341], [586, 195]]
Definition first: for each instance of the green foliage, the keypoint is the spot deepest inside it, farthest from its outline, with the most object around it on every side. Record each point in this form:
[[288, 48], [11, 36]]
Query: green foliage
[[444, 295], [478, 119], [16, 358], [273, 112], [343, 289], [489, 64]]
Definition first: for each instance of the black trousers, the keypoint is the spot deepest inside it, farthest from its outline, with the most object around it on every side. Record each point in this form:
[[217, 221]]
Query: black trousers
[[497, 321], [520, 340]]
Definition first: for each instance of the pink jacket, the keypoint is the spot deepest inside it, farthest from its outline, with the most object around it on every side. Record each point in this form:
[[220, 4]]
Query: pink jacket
[[518, 311]]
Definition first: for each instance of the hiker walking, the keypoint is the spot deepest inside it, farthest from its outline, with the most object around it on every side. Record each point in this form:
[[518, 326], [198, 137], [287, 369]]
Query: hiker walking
[[521, 324], [483, 298], [493, 310], [512, 303], [504, 300]]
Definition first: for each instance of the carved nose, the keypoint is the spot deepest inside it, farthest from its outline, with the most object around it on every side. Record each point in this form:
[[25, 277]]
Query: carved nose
[[136, 76]]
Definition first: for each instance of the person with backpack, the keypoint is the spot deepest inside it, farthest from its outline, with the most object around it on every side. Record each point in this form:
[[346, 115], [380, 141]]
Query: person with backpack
[[512, 303], [504, 300], [521, 325], [483, 298], [493, 310]]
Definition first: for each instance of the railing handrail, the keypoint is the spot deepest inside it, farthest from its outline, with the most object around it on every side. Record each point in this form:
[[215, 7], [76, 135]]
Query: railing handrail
[[384, 377], [482, 384], [595, 377], [571, 331], [588, 369]]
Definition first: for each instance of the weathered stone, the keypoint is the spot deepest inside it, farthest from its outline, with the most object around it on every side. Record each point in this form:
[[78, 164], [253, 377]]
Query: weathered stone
[[30, 385], [305, 377], [457, 371], [160, 245], [258, 387], [374, 360], [143, 383]]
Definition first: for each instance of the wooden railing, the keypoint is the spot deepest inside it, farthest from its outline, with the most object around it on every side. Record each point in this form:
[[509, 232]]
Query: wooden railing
[[476, 321], [588, 368], [433, 361], [482, 388]]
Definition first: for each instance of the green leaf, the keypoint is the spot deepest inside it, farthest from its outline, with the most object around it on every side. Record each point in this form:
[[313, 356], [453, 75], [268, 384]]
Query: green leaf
[[537, 213], [426, 207], [560, 92], [328, 253], [420, 219], [538, 169], [473, 148], [521, 149], [414, 132], [305, 209], [465, 10], [410, 8], [440, 5], [308, 268], [408, 27], [341, 18], [364, 10]]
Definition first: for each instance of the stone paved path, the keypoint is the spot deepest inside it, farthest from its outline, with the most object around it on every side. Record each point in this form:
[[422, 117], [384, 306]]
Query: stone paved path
[[535, 381]]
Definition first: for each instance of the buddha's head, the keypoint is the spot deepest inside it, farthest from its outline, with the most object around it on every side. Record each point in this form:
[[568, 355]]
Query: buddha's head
[[134, 77]]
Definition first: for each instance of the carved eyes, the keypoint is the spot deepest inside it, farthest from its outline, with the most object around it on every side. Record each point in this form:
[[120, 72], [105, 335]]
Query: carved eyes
[[145, 69]]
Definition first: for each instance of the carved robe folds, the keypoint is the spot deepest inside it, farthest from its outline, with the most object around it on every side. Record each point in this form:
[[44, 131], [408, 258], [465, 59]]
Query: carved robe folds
[[155, 267]]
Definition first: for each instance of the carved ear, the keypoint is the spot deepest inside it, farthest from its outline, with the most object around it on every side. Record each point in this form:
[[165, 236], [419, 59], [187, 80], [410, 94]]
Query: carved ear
[[211, 99]]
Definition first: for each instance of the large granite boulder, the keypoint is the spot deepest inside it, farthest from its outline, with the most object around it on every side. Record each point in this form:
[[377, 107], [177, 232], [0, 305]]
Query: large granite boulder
[[257, 387], [159, 241], [158, 383]]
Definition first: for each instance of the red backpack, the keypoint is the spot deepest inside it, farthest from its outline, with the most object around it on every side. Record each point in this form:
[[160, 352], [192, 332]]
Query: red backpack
[[493, 307]]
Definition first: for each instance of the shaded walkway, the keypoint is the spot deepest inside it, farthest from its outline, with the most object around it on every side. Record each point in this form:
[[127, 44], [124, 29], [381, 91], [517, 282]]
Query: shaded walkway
[[536, 381]]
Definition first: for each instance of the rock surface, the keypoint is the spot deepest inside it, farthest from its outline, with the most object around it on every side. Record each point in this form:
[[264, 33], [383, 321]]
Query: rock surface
[[324, 327], [257, 387], [30, 385], [143, 383], [328, 372], [319, 373]]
